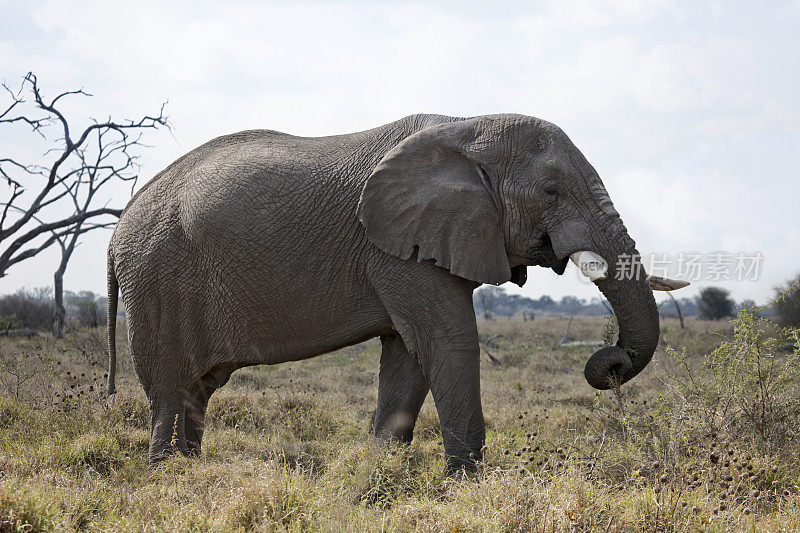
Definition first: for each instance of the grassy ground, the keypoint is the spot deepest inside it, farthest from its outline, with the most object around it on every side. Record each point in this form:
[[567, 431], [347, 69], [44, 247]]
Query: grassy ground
[[688, 445]]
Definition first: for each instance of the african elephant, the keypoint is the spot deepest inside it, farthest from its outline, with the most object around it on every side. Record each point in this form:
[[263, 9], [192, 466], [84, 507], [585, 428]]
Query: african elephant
[[261, 247]]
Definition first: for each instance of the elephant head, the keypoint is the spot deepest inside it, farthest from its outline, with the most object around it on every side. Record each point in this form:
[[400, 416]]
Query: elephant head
[[487, 196]]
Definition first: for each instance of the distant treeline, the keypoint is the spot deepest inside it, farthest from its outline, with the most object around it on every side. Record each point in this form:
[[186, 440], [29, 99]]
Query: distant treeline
[[497, 302], [34, 308]]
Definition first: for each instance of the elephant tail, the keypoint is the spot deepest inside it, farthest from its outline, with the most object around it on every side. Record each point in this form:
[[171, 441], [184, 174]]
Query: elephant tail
[[111, 324]]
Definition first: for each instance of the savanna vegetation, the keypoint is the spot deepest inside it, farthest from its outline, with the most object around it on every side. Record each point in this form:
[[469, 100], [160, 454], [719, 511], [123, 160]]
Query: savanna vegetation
[[33, 309], [715, 303], [706, 438], [787, 306]]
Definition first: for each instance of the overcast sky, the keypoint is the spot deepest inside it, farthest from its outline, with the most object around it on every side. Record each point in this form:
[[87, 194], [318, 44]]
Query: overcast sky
[[690, 111]]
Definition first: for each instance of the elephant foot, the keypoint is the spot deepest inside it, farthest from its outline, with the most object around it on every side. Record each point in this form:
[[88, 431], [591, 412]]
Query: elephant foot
[[156, 458], [397, 426], [459, 467]]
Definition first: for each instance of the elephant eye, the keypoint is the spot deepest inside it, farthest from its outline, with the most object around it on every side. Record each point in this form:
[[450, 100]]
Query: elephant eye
[[551, 190]]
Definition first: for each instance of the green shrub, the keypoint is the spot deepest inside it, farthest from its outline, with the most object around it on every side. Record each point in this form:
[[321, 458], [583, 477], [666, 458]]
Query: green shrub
[[745, 388]]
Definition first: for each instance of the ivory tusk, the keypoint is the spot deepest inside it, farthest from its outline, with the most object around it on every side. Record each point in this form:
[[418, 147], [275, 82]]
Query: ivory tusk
[[590, 264], [665, 284], [595, 268]]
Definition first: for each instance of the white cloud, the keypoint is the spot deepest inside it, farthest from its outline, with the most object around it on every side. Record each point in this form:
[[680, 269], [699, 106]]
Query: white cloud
[[789, 10], [589, 13], [682, 112], [717, 9], [610, 75]]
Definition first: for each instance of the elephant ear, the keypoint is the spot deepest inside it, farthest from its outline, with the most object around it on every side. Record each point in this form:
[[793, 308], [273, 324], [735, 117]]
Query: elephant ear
[[427, 199]]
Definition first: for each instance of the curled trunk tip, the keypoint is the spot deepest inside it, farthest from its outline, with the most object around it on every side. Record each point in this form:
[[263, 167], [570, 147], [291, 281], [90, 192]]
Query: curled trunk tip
[[606, 364], [637, 318]]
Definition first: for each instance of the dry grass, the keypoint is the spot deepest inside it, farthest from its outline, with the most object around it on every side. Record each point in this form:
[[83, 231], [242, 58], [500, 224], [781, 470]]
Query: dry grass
[[288, 447]]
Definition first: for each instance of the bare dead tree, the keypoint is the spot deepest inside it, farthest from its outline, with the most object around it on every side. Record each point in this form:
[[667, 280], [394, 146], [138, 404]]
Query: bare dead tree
[[57, 202]]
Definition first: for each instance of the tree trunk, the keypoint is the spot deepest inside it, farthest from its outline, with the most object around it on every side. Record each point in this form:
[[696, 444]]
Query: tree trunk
[[59, 313], [677, 308]]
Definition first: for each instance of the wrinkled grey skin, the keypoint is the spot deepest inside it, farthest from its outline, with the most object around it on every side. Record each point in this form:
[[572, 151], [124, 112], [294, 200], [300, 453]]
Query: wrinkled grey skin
[[261, 247]]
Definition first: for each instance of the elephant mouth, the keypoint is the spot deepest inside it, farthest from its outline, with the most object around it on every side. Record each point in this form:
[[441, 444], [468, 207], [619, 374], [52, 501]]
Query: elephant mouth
[[542, 254]]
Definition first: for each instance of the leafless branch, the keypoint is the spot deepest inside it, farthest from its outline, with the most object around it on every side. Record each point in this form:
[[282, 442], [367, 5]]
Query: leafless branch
[[57, 201]]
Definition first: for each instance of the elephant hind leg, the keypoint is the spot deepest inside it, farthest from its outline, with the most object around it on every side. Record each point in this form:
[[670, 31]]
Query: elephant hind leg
[[163, 385], [402, 389], [167, 424], [196, 403]]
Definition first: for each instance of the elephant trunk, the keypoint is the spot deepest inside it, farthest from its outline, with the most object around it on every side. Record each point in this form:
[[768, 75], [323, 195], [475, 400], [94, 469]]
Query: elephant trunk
[[624, 281], [631, 297]]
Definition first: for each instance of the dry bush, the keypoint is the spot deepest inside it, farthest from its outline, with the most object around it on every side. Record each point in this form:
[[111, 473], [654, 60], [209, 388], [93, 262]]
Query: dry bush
[[27, 308]]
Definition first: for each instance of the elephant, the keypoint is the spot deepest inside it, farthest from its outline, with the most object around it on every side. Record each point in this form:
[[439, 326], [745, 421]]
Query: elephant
[[262, 247]]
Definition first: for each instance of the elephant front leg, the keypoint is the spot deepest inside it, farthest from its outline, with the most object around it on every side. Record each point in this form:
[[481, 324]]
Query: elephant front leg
[[402, 388], [454, 378], [434, 315]]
